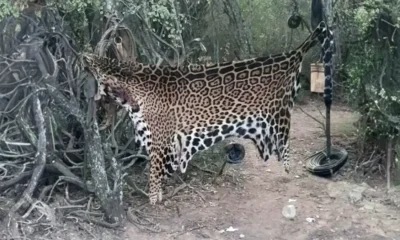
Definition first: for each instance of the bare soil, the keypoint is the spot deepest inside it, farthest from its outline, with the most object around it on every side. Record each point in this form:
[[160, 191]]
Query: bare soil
[[249, 198]]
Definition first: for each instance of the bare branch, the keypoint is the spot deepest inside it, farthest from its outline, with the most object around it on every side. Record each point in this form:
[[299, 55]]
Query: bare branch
[[318, 121], [40, 159], [22, 176]]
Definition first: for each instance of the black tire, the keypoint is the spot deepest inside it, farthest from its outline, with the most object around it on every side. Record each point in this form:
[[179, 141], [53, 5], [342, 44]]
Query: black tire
[[294, 21], [320, 166], [234, 153]]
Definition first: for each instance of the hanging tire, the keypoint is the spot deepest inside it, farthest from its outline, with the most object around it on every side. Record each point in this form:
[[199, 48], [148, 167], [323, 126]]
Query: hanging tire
[[319, 165], [294, 21]]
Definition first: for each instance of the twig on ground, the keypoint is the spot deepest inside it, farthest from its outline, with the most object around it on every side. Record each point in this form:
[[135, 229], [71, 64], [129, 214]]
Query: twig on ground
[[195, 190], [132, 183], [175, 191], [204, 169], [133, 161], [222, 168], [16, 155], [44, 209], [70, 207], [72, 180], [77, 201], [44, 191], [87, 212], [373, 163], [96, 221], [220, 172], [22, 176], [179, 233], [62, 168], [142, 222], [364, 163], [90, 233], [89, 204]]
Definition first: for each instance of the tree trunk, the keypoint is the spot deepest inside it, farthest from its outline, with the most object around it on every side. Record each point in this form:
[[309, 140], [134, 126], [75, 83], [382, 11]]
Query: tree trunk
[[242, 30], [111, 199]]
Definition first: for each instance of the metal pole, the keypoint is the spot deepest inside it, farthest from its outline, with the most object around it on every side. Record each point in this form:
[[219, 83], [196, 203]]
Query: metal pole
[[328, 131], [328, 95]]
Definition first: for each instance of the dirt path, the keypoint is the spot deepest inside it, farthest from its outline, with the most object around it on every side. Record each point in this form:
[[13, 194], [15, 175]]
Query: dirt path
[[253, 205], [251, 195]]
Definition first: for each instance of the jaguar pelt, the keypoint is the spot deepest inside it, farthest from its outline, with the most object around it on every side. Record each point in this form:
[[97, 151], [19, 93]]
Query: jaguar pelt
[[179, 111]]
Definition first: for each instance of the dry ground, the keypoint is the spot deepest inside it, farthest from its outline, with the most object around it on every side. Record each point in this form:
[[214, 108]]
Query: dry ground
[[249, 197]]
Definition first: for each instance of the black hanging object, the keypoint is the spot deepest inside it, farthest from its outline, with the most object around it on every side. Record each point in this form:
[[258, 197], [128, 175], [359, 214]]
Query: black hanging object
[[294, 21]]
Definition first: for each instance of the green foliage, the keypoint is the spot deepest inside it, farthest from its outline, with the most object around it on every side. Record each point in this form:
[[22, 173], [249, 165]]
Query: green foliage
[[9, 9], [371, 62], [13, 8], [165, 20], [268, 20], [176, 23], [78, 5]]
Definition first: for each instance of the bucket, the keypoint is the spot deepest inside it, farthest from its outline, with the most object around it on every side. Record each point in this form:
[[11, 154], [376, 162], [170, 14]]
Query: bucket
[[317, 77]]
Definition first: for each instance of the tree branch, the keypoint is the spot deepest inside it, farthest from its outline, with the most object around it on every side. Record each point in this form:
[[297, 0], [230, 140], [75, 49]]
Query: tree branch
[[40, 159]]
